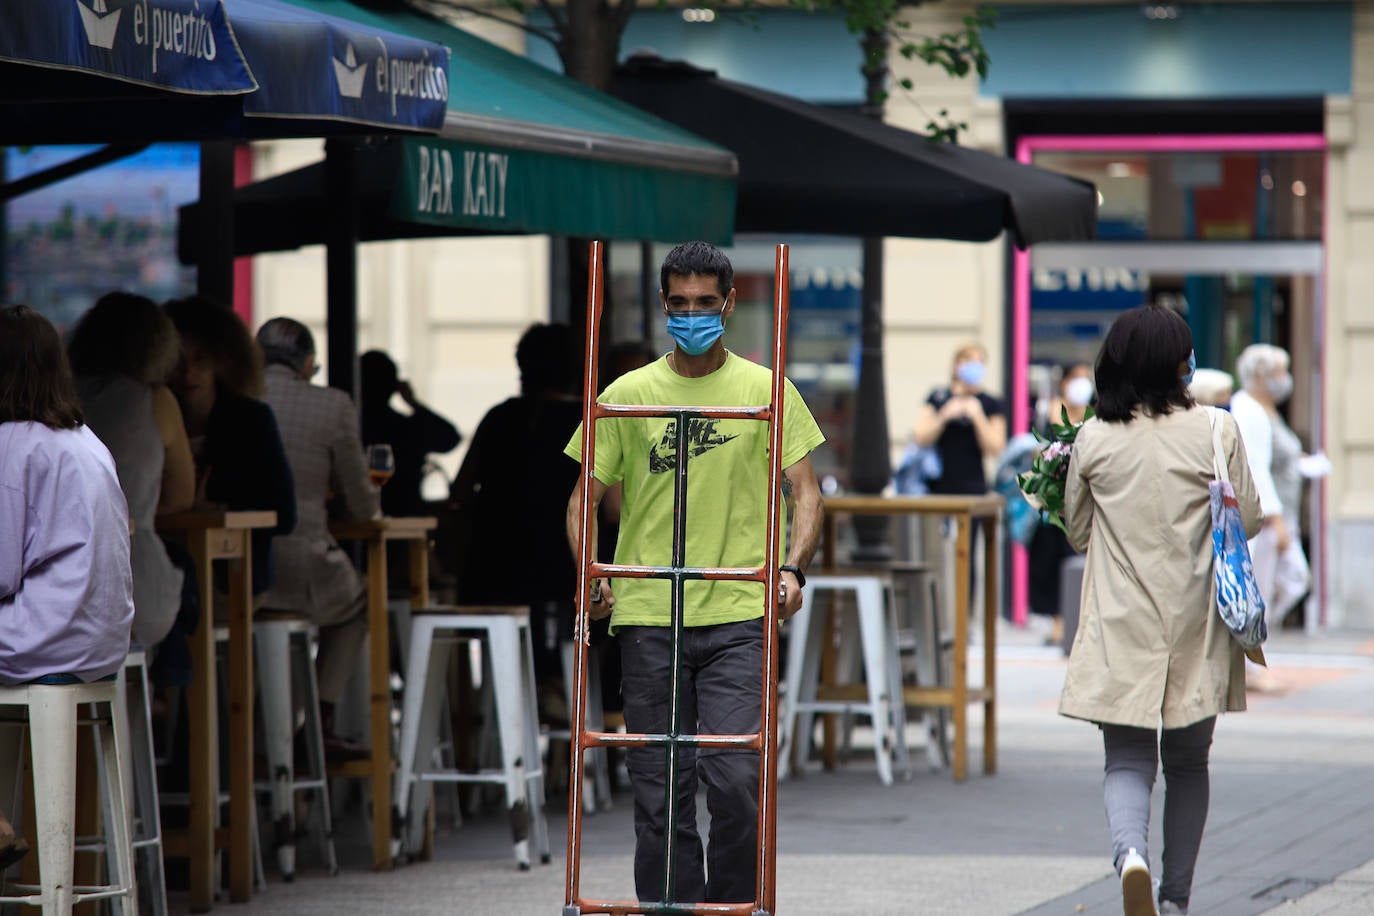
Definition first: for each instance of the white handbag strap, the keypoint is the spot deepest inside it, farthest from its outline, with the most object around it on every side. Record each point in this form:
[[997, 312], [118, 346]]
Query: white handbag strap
[[1219, 469]]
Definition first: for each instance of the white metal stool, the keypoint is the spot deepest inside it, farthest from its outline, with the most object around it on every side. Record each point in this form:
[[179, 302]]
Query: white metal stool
[[596, 775], [509, 669], [136, 691], [445, 754], [286, 670], [54, 711], [881, 699]]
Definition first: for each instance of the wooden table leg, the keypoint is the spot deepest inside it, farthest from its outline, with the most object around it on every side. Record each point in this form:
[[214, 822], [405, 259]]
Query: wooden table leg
[[419, 573], [379, 666], [203, 734], [991, 536], [241, 790], [963, 556], [828, 542]]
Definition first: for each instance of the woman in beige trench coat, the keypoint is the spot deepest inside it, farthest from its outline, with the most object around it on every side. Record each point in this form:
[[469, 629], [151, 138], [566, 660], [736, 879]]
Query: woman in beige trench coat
[[1151, 648]]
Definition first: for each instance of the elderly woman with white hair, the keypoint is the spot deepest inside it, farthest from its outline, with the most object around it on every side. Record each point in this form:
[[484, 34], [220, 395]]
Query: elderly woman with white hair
[[1212, 387], [1275, 454]]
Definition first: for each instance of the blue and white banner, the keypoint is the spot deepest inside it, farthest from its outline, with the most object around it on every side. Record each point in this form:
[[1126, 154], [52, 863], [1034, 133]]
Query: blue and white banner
[[286, 61], [311, 65], [178, 45]]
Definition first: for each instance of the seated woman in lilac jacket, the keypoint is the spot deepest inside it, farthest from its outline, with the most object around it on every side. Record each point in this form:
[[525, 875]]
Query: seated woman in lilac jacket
[[66, 589]]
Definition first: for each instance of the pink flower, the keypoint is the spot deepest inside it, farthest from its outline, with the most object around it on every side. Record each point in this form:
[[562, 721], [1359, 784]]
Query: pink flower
[[1058, 449]]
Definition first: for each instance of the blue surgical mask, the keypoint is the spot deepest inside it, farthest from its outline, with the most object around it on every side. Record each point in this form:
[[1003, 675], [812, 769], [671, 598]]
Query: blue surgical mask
[[1192, 367], [696, 332], [971, 372], [1079, 391]]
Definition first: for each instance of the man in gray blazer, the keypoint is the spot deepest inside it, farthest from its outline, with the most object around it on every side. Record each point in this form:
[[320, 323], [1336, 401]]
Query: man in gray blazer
[[314, 576]]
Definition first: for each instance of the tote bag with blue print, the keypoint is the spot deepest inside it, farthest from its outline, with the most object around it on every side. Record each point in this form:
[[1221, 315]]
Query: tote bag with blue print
[[1238, 596]]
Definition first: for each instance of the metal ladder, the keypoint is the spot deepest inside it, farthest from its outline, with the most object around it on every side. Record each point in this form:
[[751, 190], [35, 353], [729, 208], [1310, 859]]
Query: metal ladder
[[766, 740]]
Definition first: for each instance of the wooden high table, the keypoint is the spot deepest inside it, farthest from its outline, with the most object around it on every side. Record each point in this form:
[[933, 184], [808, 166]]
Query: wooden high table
[[958, 695], [376, 533], [211, 536]]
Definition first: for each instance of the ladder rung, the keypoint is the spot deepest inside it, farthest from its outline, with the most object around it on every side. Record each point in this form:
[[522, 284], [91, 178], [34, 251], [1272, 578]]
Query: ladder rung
[[629, 907], [718, 573], [601, 411], [620, 739]]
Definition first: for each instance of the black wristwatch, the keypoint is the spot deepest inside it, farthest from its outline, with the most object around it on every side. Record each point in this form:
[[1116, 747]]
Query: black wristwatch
[[796, 571]]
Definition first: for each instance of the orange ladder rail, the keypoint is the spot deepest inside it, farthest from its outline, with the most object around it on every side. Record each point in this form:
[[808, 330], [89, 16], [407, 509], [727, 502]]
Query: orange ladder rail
[[766, 740]]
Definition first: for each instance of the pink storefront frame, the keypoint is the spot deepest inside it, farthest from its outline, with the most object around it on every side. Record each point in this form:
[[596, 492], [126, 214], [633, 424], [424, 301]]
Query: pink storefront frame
[[1026, 148]]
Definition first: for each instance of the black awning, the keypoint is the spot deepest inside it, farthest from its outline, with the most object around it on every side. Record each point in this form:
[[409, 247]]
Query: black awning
[[293, 209], [804, 168]]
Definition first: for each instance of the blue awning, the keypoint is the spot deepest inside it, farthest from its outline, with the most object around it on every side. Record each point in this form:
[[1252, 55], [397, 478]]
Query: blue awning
[[168, 69]]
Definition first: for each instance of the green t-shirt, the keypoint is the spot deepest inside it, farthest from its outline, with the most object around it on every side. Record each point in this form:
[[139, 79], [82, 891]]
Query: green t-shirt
[[727, 486]]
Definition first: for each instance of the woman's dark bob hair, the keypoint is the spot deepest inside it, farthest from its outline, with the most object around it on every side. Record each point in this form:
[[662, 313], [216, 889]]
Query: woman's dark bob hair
[[36, 383], [1140, 364]]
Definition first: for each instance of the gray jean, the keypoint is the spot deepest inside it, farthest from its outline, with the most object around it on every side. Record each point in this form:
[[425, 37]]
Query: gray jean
[[343, 629], [1133, 756], [722, 669]]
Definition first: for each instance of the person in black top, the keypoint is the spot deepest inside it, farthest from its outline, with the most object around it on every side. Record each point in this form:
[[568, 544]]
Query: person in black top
[[511, 492], [964, 424], [240, 460], [411, 438]]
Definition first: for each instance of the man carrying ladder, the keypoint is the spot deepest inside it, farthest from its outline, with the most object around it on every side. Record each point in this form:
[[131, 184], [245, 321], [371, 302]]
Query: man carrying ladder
[[722, 644]]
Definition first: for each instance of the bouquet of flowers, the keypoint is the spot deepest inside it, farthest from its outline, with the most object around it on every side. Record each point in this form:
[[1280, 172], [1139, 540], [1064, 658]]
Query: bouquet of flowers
[[1043, 484]]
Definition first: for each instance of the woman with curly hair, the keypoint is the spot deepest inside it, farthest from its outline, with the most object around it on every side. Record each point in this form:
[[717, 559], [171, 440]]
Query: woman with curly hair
[[240, 460]]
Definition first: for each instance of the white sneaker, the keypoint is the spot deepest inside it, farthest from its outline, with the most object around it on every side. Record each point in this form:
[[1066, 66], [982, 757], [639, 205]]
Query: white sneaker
[[1137, 892], [1169, 908]]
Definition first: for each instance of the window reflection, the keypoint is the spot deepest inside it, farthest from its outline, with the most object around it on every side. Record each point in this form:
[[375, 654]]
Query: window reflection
[[1205, 196]]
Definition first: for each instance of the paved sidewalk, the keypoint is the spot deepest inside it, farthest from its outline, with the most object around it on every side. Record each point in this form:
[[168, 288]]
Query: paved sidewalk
[[1291, 819]]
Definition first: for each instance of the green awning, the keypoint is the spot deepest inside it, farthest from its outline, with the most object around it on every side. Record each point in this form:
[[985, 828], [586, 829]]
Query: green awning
[[504, 190], [527, 150]]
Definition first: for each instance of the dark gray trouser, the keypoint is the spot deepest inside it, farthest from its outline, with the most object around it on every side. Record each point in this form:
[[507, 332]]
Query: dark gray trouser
[[1133, 756], [721, 670]]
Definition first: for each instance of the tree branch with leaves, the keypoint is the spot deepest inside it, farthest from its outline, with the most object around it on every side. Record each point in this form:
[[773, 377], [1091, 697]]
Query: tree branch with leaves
[[882, 28], [586, 35]]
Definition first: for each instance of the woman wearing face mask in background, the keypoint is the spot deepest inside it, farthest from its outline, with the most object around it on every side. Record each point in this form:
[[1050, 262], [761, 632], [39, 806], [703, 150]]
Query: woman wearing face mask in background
[[964, 424], [1050, 547], [1275, 462]]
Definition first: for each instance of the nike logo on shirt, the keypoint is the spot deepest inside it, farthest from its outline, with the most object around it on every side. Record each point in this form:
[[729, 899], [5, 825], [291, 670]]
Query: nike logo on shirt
[[702, 436]]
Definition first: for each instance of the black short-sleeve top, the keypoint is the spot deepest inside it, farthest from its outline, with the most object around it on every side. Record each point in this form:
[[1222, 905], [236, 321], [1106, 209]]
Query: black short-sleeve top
[[960, 455]]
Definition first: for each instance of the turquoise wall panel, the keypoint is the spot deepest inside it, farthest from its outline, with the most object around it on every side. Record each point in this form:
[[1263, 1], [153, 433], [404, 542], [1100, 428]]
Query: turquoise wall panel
[[1211, 50], [808, 55]]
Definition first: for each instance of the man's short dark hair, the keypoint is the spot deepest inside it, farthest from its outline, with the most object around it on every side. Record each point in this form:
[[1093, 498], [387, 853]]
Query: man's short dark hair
[[36, 384], [697, 259], [1137, 367], [377, 377], [286, 342], [547, 357]]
